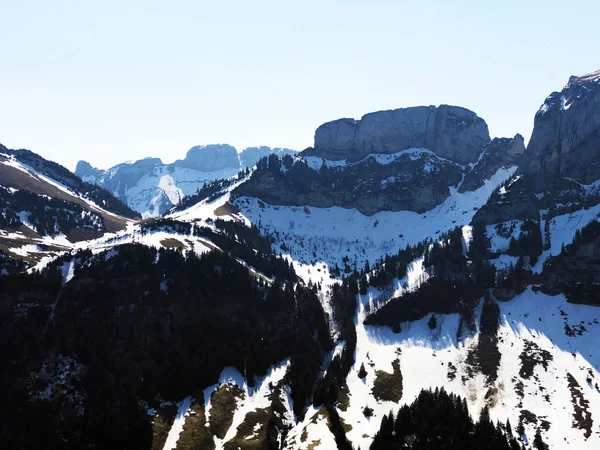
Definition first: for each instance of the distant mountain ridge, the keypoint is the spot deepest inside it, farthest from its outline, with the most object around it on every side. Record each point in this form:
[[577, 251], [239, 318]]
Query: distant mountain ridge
[[151, 187]]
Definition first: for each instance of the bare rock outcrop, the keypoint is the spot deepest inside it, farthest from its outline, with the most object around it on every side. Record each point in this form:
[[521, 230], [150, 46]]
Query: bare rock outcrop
[[566, 136], [451, 132]]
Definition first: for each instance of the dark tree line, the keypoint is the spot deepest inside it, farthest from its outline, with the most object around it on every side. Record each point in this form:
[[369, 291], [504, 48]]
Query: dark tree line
[[457, 280], [249, 245], [49, 216], [143, 322], [529, 242], [437, 420], [9, 265], [97, 194], [344, 304], [235, 238], [210, 191]]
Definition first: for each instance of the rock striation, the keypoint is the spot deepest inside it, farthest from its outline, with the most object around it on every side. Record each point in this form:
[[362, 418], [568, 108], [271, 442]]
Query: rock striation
[[451, 132], [560, 169], [566, 134]]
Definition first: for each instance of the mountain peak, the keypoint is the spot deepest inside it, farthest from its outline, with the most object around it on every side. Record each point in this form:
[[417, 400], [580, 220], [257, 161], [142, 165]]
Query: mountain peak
[[566, 132], [449, 131], [200, 150], [208, 158], [592, 76], [84, 168]]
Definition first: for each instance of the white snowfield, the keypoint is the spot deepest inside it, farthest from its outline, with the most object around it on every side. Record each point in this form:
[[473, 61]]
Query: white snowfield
[[148, 194], [427, 358], [327, 235], [204, 210]]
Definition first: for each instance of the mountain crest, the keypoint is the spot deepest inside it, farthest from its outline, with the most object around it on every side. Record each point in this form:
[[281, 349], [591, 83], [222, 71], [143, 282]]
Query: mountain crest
[[566, 133], [451, 132]]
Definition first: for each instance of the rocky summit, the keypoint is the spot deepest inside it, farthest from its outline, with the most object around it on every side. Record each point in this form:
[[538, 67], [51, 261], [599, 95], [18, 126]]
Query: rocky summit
[[450, 132], [560, 169], [566, 132]]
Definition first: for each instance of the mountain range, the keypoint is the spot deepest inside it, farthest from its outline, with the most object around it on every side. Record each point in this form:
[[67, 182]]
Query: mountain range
[[151, 188], [406, 282]]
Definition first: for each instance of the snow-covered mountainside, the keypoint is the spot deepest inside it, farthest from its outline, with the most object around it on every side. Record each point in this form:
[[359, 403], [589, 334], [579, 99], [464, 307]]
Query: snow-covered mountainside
[[45, 209], [151, 188], [546, 360], [296, 304]]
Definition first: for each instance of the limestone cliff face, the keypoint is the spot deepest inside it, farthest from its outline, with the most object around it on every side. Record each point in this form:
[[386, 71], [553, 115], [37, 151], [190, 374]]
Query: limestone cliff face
[[208, 158], [563, 156], [451, 132], [566, 134], [500, 152], [85, 170], [416, 181], [119, 178]]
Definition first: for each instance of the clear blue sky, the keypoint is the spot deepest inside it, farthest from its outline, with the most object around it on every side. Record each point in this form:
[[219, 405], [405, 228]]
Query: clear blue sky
[[109, 81]]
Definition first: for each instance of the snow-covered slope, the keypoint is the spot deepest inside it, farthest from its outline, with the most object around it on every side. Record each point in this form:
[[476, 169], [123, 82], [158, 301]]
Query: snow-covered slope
[[41, 216], [561, 383], [330, 235]]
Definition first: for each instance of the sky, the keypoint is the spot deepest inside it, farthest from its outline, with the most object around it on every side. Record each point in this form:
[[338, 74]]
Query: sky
[[110, 81]]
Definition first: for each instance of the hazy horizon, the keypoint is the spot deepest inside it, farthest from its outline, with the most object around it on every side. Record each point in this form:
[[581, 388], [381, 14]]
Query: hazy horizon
[[108, 82]]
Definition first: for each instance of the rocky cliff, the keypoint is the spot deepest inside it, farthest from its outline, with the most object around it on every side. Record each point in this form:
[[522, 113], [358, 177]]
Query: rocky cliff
[[559, 171], [413, 181], [208, 158], [451, 132], [500, 152]]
